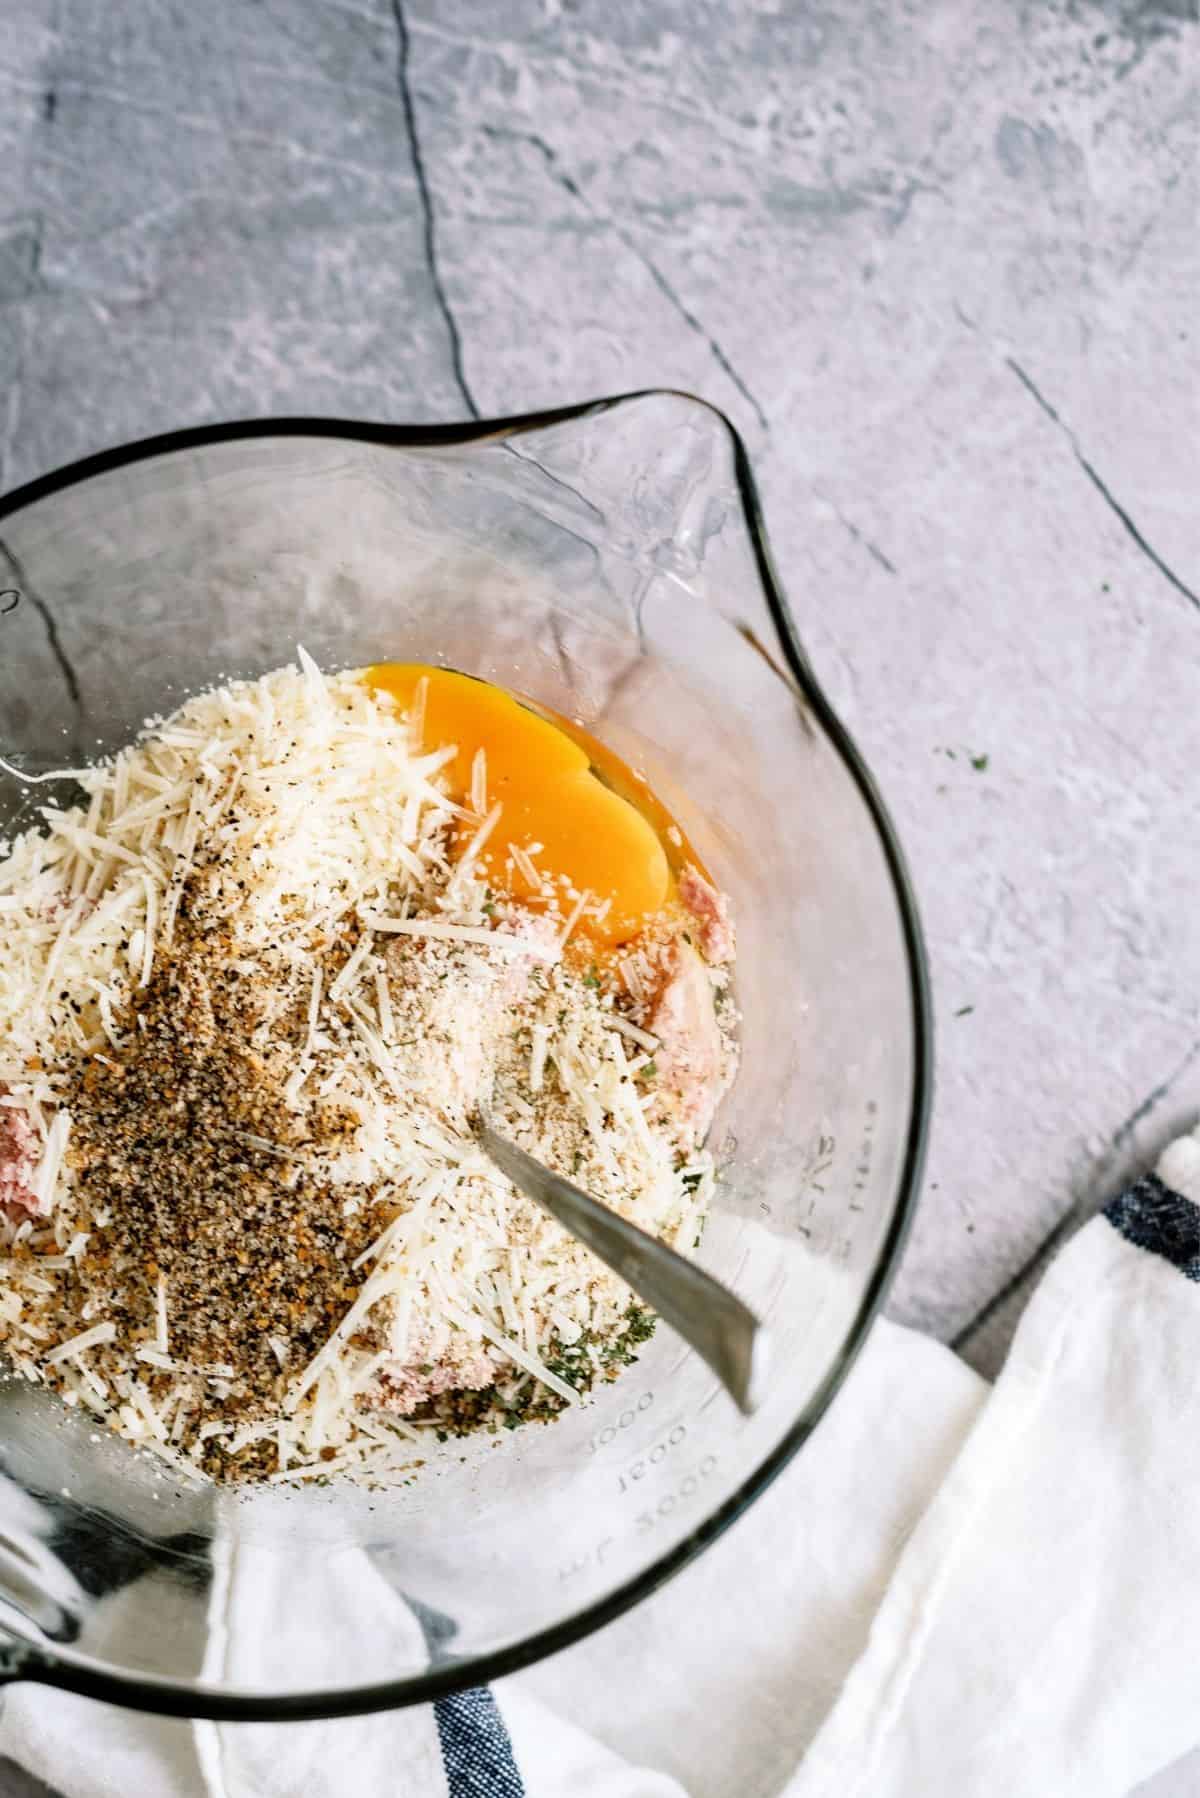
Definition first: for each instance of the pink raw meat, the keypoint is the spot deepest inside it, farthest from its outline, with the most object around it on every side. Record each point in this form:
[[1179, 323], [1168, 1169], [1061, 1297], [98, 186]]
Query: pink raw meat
[[692, 1063], [402, 1389], [711, 911], [18, 1160]]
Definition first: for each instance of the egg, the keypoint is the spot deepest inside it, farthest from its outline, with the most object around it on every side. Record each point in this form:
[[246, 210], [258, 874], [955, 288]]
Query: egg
[[546, 782]]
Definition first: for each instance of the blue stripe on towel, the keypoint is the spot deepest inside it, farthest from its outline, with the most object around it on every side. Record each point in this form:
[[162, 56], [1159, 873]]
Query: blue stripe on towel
[[1151, 1216], [477, 1753]]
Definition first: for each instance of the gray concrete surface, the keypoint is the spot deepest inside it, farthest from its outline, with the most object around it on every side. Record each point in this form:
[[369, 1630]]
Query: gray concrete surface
[[939, 261]]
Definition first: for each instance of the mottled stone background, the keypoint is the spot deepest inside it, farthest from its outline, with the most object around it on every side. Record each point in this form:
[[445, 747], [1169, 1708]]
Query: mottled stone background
[[938, 260]]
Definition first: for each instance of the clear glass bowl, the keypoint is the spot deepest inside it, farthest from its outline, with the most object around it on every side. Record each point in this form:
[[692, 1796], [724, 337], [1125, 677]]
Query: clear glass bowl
[[609, 560]]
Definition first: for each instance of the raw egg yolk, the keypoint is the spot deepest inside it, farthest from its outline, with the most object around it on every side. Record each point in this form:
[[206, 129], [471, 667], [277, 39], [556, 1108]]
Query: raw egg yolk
[[590, 838]]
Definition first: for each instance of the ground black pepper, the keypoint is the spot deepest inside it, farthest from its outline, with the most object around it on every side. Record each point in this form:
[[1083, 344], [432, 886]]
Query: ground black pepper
[[251, 1242]]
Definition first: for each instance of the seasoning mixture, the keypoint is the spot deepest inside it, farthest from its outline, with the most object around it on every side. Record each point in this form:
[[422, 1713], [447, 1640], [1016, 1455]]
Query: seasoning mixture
[[251, 992]]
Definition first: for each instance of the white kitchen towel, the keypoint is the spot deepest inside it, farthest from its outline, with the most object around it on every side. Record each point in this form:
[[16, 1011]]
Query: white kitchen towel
[[949, 1592]]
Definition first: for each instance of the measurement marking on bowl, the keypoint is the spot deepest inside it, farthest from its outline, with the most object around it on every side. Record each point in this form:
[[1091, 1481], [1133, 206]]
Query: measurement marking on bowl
[[625, 1420], [826, 1148], [590, 1557], [821, 1158], [688, 1487], [638, 1469], [862, 1171]]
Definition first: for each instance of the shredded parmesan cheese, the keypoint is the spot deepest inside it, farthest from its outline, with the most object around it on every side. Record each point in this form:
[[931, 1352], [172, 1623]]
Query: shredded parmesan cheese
[[479, 802], [86, 1339], [256, 977]]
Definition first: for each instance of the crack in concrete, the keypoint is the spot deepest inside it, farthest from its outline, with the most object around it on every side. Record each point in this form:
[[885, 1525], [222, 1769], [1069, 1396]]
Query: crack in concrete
[[429, 226], [860, 537], [987, 1312], [689, 318], [1109, 499], [1080, 1210], [588, 505], [1153, 1099], [570, 186], [49, 624]]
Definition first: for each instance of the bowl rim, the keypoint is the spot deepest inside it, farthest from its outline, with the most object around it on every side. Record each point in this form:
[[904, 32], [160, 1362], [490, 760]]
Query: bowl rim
[[26, 1658]]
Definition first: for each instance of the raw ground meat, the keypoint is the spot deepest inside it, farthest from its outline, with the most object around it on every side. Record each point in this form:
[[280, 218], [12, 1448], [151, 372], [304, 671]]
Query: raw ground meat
[[692, 1060], [711, 912], [18, 1160], [403, 1389]]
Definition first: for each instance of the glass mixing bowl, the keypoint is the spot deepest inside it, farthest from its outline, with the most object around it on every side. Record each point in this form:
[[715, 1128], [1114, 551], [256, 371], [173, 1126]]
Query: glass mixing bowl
[[610, 561]]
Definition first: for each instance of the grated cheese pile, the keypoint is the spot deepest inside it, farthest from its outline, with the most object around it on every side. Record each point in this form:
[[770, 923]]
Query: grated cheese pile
[[251, 991]]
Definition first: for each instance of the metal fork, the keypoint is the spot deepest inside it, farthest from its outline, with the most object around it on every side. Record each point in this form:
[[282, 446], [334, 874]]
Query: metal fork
[[724, 1332]]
